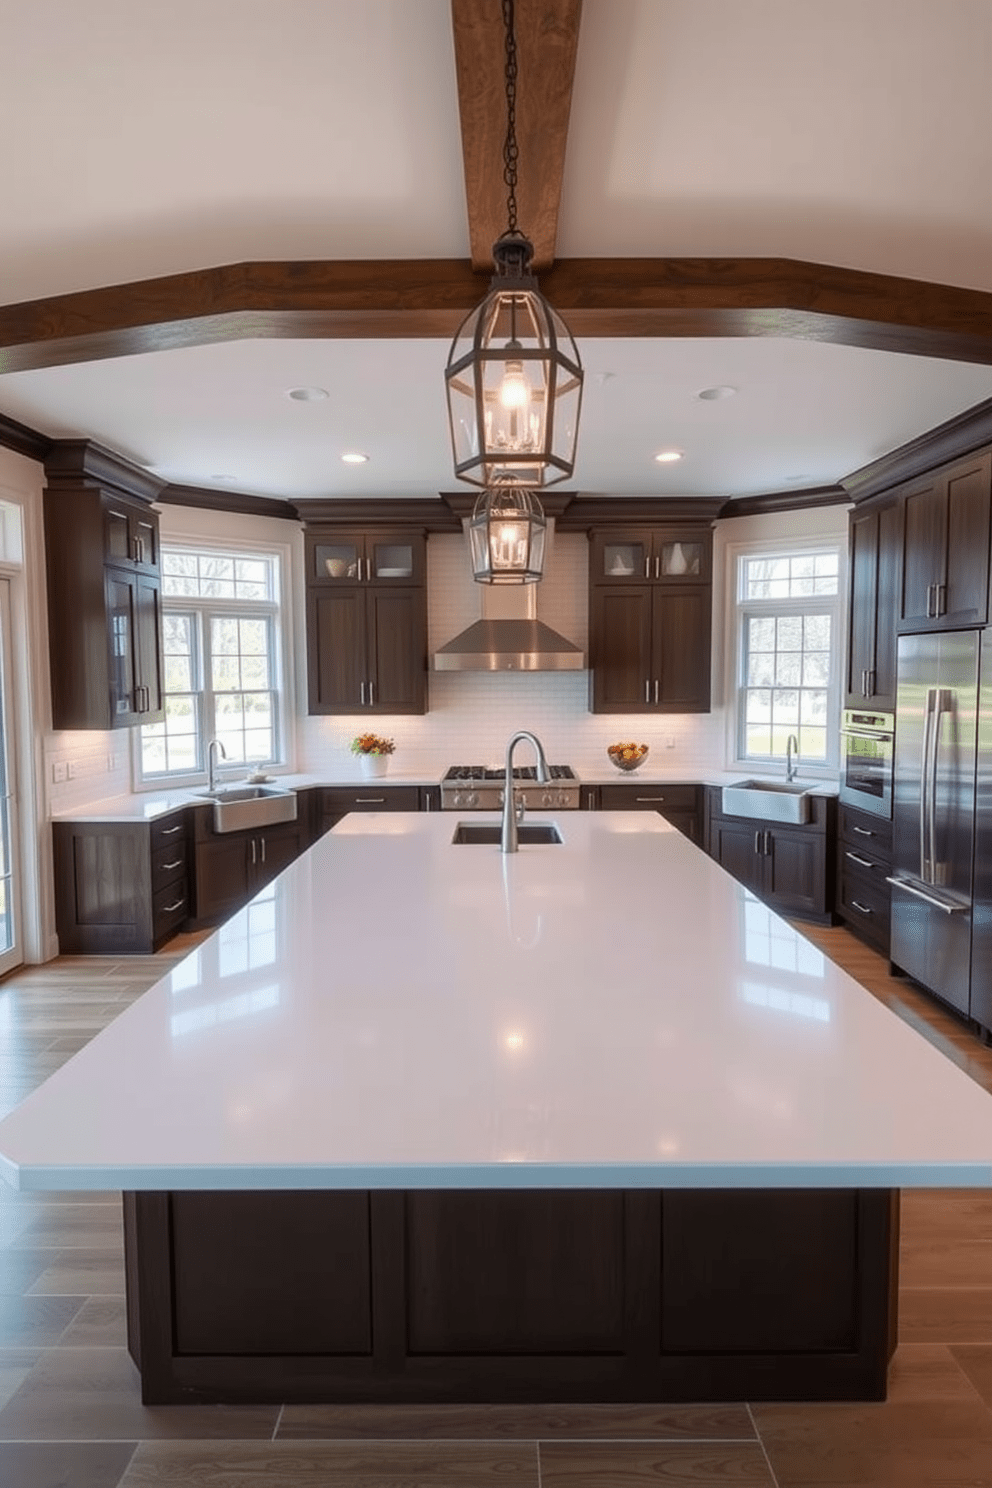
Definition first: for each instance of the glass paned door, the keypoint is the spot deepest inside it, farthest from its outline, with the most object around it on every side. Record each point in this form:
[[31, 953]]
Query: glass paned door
[[11, 954]]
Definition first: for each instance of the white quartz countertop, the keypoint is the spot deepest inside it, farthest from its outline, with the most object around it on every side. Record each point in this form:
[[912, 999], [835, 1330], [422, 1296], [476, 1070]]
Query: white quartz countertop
[[149, 805], [396, 1011]]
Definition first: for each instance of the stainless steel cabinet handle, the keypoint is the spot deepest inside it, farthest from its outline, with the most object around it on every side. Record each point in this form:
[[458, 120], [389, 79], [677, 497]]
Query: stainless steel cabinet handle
[[169, 831], [647, 690], [371, 694], [862, 831], [647, 567], [656, 687], [643, 800], [862, 862], [261, 843], [657, 568], [872, 681], [930, 589], [941, 606], [767, 851], [861, 908], [254, 851], [757, 842], [370, 800], [168, 908], [361, 691], [591, 801], [167, 866]]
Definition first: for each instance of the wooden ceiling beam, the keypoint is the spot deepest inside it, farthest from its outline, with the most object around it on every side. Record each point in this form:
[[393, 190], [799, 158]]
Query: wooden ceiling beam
[[396, 299], [547, 34]]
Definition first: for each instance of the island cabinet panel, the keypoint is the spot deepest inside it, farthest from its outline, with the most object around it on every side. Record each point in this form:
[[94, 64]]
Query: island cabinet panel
[[790, 867], [503, 1295], [947, 515], [682, 805], [873, 605], [121, 888], [337, 801]]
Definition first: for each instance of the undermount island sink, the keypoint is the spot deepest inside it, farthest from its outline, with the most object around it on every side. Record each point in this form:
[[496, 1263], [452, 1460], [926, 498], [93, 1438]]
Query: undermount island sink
[[769, 800], [237, 808], [490, 833]]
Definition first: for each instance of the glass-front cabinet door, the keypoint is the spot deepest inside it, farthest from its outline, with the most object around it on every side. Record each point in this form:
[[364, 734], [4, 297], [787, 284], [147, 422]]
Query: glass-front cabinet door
[[367, 558], [619, 556], [681, 558]]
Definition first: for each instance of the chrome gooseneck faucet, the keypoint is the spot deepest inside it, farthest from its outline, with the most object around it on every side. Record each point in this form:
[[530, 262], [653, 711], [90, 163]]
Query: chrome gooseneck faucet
[[508, 839], [212, 760], [791, 759]]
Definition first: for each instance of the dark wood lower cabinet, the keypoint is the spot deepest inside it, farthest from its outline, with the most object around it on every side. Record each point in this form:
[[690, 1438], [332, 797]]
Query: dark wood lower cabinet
[[555, 1295], [232, 866], [682, 805], [121, 888], [790, 867]]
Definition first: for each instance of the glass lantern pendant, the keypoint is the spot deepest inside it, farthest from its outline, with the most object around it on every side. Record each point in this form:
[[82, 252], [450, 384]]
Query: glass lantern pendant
[[514, 381], [506, 533]]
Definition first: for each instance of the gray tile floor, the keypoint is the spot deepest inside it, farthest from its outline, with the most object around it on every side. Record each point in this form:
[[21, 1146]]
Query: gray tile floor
[[70, 1408]]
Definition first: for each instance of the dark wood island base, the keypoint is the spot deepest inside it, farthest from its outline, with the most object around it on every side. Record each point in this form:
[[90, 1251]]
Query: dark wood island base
[[505, 1295]]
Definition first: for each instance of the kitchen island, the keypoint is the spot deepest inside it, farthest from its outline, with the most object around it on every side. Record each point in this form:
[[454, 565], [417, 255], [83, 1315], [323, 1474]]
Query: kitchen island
[[588, 1122]]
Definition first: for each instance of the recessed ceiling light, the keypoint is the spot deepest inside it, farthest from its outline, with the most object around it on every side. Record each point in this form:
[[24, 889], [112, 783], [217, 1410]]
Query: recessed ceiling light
[[711, 394], [307, 394], [668, 457], [354, 458]]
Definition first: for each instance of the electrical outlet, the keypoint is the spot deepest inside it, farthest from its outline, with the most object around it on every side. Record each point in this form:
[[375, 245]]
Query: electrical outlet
[[73, 769], [59, 771], [111, 762], [670, 742]]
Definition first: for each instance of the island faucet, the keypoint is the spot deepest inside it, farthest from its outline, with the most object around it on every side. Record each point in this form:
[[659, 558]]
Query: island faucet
[[212, 761], [508, 837], [791, 759]]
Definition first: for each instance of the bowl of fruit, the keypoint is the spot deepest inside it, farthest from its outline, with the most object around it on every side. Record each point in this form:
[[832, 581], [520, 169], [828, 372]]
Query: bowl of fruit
[[627, 756]]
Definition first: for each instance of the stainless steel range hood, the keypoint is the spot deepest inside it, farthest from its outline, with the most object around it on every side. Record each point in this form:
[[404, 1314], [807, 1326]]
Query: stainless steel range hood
[[509, 637]]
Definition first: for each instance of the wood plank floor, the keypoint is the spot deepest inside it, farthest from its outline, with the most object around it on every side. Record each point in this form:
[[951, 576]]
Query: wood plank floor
[[70, 1410]]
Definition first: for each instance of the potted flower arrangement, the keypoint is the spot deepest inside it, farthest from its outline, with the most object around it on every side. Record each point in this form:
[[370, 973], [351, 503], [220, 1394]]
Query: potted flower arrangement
[[373, 753]]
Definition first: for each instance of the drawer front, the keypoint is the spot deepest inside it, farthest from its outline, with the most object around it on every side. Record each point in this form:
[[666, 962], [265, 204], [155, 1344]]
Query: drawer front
[[170, 907], [865, 904], [868, 834], [649, 797], [168, 864], [335, 801], [857, 862], [168, 831]]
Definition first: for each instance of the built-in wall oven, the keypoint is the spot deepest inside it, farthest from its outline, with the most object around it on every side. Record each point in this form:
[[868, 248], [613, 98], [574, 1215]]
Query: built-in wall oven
[[867, 743]]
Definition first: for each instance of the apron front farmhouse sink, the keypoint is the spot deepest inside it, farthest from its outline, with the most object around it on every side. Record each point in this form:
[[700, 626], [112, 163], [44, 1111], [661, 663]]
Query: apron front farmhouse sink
[[768, 800], [238, 808]]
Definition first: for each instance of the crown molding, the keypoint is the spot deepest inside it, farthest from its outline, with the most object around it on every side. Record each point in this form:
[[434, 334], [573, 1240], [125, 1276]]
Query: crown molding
[[587, 511], [239, 503], [785, 501], [84, 462], [430, 513], [22, 440], [961, 435]]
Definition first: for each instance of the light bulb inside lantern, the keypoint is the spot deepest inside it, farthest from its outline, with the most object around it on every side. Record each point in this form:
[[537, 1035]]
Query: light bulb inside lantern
[[513, 390]]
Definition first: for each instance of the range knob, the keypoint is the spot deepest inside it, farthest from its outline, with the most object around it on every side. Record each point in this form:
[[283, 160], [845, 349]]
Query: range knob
[[547, 799], [562, 799]]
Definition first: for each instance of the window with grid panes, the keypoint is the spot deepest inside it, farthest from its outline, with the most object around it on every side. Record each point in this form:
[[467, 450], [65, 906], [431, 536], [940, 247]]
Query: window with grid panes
[[789, 670], [221, 668]]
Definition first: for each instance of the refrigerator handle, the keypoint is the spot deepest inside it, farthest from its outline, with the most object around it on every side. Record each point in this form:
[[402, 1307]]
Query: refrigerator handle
[[943, 703], [926, 815]]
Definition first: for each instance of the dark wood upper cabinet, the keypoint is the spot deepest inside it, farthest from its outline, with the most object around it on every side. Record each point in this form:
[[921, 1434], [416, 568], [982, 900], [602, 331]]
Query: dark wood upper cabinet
[[874, 575], [104, 608], [366, 621], [945, 570], [650, 617]]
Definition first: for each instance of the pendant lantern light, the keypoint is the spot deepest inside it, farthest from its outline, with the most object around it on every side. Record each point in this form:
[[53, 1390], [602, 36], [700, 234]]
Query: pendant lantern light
[[514, 386]]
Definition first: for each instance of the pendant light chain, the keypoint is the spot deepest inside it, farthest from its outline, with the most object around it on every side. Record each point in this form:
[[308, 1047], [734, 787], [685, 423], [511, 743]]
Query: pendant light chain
[[510, 151]]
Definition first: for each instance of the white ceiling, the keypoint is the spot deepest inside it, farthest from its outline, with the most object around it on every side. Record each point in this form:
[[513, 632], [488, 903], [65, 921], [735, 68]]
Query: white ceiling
[[154, 140]]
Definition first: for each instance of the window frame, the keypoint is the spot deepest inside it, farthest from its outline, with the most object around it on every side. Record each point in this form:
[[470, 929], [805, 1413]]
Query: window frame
[[740, 608], [278, 611]]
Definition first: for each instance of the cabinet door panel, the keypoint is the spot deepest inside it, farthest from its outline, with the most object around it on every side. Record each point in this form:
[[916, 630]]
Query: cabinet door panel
[[221, 876], [682, 649], [121, 628], [336, 649], [863, 605], [148, 648], [925, 540], [620, 643], [968, 497], [397, 650], [883, 683], [735, 848], [274, 851], [795, 871]]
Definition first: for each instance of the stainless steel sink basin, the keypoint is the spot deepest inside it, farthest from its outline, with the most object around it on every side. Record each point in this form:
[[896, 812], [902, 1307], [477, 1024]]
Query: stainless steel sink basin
[[490, 833], [768, 800], [237, 808]]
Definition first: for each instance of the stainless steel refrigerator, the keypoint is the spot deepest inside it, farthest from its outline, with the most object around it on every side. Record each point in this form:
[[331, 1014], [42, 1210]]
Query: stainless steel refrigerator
[[933, 815]]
